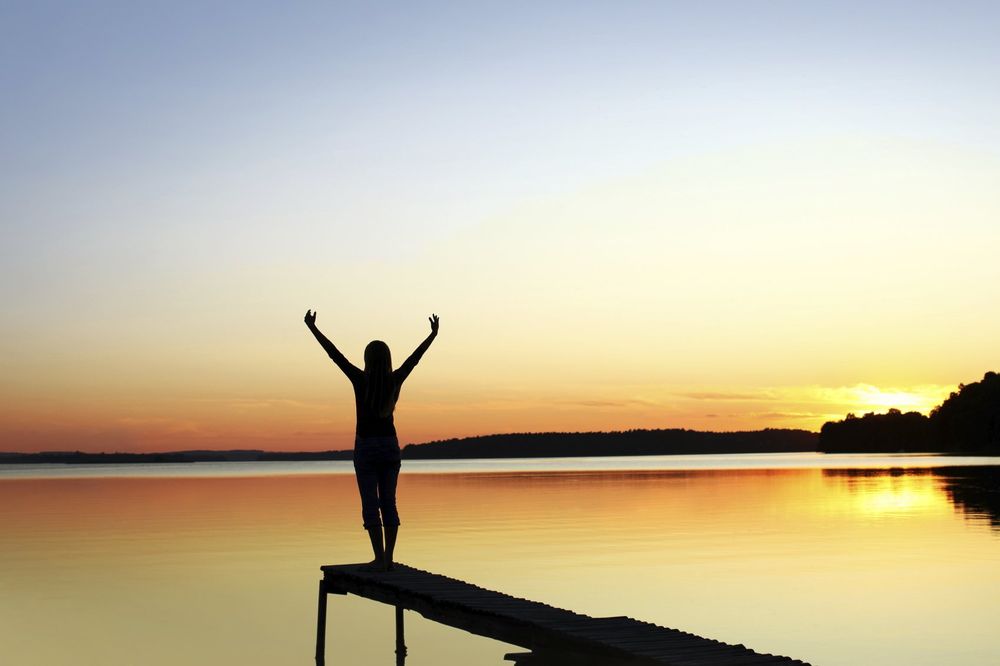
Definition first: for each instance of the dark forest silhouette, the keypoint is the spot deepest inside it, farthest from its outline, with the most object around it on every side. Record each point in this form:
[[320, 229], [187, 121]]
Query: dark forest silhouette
[[528, 445], [893, 431], [622, 443], [968, 421]]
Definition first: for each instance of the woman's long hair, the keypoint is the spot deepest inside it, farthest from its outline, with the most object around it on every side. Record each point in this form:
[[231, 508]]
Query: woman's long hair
[[380, 387]]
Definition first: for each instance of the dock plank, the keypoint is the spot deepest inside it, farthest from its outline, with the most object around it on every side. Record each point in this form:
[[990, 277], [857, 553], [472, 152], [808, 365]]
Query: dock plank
[[538, 626]]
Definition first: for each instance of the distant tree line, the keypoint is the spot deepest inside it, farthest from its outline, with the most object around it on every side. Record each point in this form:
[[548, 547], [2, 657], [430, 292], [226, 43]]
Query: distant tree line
[[892, 431], [618, 443], [517, 445], [968, 421], [239, 455]]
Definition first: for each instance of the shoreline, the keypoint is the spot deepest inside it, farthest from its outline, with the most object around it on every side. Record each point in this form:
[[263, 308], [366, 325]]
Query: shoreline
[[674, 441]]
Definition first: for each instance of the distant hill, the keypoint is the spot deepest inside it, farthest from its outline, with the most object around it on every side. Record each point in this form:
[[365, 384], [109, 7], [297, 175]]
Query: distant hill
[[968, 421], [521, 445], [619, 443], [249, 455], [893, 432]]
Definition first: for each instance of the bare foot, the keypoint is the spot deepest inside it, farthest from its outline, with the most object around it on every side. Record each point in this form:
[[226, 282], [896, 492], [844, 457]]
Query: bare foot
[[374, 565], [389, 566]]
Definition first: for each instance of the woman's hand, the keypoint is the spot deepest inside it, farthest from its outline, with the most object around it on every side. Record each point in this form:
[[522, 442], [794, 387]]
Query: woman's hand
[[310, 318], [433, 319]]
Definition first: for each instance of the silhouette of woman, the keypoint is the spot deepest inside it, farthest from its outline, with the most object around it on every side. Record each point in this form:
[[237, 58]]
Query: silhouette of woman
[[376, 448]]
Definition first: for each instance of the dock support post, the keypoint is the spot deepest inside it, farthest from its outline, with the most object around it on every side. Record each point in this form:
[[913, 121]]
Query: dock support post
[[400, 643], [321, 625]]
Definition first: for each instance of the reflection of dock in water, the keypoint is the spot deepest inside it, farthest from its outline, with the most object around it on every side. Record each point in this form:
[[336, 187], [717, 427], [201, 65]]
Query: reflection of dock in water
[[554, 636]]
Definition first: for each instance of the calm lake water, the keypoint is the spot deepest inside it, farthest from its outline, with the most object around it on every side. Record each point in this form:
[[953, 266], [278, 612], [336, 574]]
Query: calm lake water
[[837, 560]]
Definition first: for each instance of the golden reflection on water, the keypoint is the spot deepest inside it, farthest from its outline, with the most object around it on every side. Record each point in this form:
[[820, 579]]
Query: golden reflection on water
[[835, 567], [868, 495], [896, 495]]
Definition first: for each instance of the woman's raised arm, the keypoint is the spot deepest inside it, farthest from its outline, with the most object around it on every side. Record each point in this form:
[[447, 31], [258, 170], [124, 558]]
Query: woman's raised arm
[[404, 370], [346, 366]]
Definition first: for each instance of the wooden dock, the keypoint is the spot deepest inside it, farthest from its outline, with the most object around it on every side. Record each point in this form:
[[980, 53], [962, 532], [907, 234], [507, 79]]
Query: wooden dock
[[554, 636]]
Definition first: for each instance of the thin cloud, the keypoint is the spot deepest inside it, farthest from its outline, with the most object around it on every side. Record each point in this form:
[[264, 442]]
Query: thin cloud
[[789, 415], [724, 395], [264, 403], [627, 402]]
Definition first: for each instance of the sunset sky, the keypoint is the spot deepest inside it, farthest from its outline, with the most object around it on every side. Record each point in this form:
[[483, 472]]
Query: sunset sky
[[706, 215]]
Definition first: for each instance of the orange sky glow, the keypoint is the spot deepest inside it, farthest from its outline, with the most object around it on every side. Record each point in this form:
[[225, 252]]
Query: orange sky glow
[[766, 236], [583, 312]]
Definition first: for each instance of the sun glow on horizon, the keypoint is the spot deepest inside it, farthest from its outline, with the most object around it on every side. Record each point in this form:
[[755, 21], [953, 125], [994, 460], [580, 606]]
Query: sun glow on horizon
[[916, 399]]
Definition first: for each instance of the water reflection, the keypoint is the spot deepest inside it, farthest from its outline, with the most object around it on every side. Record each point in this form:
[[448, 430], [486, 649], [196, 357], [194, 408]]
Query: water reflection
[[973, 491], [897, 492], [888, 566]]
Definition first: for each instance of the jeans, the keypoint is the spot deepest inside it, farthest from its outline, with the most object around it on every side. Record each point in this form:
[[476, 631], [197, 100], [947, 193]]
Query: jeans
[[376, 465]]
